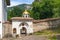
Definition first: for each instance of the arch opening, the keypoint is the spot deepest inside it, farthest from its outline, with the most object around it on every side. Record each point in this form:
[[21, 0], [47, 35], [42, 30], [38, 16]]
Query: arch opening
[[14, 30], [23, 31]]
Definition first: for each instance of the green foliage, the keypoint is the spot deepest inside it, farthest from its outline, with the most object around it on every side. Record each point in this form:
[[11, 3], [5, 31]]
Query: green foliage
[[15, 12], [45, 9], [57, 8], [42, 9]]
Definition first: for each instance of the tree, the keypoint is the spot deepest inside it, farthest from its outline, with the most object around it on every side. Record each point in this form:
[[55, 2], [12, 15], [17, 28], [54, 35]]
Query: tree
[[15, 12], [35, 12], [42, 9], [56, 9]]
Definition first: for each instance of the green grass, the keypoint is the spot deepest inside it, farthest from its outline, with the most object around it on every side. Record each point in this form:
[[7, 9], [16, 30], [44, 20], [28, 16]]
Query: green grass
[[51, 33], [48, 33], [52, 37]]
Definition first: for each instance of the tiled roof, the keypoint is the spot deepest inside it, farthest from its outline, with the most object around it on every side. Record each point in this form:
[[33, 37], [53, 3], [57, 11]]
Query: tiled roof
[[35, 21], [45, 20], [7, 22], [21, 18]]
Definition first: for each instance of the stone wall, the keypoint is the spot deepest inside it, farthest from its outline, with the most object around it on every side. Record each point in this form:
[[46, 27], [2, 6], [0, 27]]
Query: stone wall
[[38, 25], [7, 29], [54, 23], [46, 23]]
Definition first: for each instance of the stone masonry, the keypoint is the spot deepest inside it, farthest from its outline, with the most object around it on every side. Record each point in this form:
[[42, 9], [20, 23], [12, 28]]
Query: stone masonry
[[38, 25]]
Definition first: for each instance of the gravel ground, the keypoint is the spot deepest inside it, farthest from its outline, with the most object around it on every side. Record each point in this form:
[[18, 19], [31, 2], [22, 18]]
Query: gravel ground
[[32, 37]]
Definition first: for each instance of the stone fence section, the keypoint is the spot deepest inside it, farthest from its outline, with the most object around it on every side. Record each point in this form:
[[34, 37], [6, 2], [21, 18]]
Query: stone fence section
[[7, 29], [39, 25]]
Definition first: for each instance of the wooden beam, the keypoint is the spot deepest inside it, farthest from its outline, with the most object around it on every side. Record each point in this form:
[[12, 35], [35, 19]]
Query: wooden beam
[[8, 2]]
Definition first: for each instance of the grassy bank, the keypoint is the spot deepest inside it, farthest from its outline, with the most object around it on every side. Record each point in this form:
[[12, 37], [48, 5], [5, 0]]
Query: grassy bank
[[51, 32]]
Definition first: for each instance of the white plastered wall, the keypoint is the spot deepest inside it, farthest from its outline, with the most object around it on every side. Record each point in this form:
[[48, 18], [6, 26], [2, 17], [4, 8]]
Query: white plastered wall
[[16, 23], [3, 15]]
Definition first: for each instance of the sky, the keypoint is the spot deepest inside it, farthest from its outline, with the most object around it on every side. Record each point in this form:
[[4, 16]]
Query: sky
[[17, 2]]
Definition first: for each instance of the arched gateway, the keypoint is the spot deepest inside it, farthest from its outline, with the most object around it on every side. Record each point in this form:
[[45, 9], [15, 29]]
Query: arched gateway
[[22, 25], [23, 28], [23, 31]]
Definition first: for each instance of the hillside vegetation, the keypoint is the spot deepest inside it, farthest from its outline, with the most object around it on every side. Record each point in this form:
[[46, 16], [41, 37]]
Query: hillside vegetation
[[16, 11], [39, 9]]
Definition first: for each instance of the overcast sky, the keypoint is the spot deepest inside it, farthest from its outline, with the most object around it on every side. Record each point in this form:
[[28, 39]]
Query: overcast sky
[[17, 2]]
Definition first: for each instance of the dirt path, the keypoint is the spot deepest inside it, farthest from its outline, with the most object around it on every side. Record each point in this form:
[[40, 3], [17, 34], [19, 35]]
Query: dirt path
[[31, 37], [34, 37]]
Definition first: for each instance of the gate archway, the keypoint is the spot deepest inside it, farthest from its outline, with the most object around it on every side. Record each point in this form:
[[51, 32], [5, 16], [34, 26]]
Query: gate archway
[[23, 28], [23, 31]]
